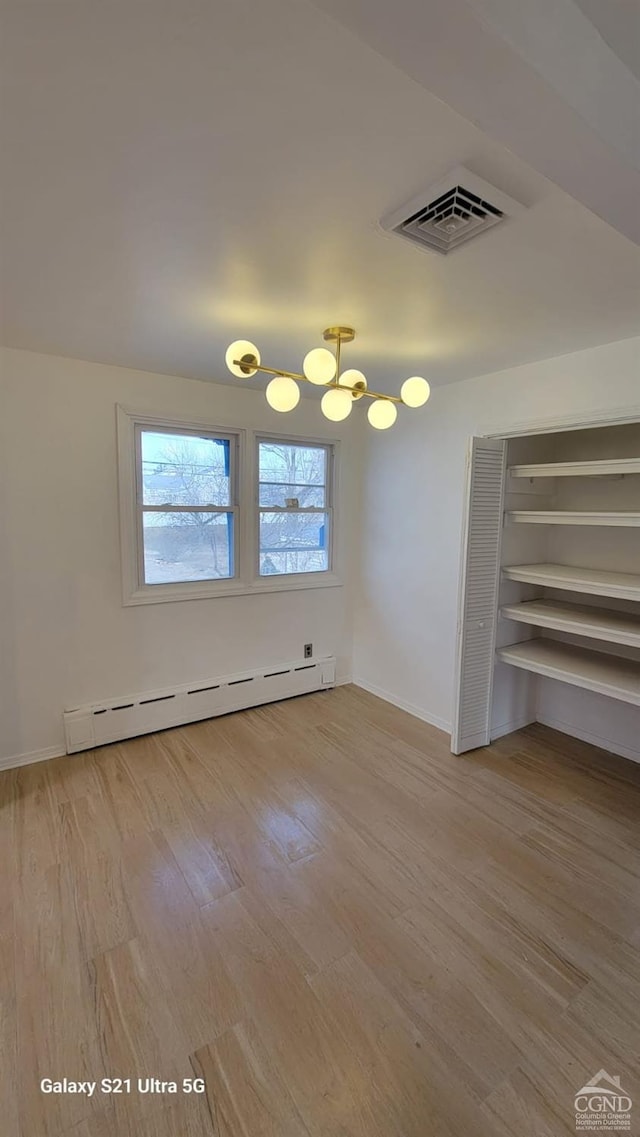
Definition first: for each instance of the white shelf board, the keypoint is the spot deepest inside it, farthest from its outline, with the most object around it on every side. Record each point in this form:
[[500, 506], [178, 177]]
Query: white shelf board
[[573, 517], [597, 582], [600, 468], [592, 670], [579, 619]]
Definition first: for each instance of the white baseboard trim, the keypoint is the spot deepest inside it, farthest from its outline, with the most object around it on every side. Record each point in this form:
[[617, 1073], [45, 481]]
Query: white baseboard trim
[[630, 752], [509, 727], [13, 762], [410, 708], [29, 759]]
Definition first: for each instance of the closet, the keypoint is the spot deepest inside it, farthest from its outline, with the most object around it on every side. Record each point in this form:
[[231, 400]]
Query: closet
[[549, 607]]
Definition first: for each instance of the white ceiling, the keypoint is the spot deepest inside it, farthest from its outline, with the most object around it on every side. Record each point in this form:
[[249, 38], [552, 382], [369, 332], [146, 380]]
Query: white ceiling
[[537, 77], [618, 22], [180, 174]]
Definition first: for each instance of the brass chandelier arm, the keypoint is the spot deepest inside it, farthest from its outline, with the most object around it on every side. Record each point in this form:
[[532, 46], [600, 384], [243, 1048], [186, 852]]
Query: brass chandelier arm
[[367, 394], [303, 379], [270, 370]]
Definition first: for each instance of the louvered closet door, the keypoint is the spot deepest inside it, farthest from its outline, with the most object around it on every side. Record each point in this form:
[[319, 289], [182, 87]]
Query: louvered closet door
[[478, 603]]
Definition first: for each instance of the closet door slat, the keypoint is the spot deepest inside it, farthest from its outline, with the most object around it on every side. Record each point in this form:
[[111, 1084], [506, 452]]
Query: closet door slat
[[479, 583]]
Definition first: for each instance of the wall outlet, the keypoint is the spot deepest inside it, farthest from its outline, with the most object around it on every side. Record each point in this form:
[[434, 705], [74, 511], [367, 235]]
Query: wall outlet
[[308, 651]]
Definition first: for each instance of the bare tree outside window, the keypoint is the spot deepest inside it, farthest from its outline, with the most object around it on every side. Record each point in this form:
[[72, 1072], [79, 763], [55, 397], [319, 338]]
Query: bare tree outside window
[[209, 511], [188, 517], [294, 516]]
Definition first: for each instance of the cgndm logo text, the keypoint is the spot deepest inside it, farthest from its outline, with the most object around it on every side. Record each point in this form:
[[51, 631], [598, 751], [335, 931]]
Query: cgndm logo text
[[602, 1106]]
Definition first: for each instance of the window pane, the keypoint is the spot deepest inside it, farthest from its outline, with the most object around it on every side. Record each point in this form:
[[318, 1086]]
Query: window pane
[[293, 542], [187, 546], [305, 496], [185, 469], [293, 465]]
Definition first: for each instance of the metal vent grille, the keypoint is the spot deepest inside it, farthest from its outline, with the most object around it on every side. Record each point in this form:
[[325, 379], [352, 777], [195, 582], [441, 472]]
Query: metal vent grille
[[451, 219], [459, 208]]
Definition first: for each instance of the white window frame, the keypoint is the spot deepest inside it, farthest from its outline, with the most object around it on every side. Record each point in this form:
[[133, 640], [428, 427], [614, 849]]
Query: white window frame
[[328, 508], [246, 580]]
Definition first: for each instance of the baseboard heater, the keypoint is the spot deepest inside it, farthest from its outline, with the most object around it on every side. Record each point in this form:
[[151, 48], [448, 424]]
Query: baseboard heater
[[97, 724]]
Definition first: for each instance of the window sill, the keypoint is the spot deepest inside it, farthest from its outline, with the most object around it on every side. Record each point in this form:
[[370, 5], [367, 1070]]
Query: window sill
[[170, 593]]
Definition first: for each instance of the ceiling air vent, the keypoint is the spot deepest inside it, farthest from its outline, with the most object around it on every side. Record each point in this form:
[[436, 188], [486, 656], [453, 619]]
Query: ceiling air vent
[[449, 214]]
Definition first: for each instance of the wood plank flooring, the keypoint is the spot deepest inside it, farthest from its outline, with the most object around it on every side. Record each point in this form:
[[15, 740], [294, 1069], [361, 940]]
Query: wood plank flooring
[[344, 930]]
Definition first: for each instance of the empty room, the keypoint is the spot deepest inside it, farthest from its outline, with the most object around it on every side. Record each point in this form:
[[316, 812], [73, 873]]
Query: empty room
[[320, 568]]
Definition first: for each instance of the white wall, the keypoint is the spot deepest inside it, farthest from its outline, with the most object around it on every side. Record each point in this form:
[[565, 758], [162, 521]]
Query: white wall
[[65, 637], [413, 485]]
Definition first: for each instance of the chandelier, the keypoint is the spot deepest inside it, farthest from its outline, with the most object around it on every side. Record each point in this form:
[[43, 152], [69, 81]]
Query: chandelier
[[322, 368]]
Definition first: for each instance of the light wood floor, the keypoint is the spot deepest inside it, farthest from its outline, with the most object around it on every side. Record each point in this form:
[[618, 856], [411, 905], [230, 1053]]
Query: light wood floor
[[343, 929]]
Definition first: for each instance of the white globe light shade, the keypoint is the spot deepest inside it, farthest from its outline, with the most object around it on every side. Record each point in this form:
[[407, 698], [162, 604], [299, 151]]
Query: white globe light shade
[[336, 405], [354, 379], [415, 391], [283, 393], [237, 350], [382, 414], [319, 366]]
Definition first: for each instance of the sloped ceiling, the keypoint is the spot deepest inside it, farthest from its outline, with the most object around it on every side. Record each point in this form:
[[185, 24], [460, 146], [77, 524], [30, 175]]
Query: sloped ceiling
[[618, 22]]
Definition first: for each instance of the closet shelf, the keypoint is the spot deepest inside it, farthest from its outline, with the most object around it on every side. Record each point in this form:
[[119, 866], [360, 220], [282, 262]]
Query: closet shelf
[[580, 619], [573, 517], [599, 468], [597, 582], [592, 670]]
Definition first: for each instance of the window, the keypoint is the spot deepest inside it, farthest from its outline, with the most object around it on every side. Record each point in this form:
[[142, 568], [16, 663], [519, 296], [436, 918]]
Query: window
[[206, 511], [294, 508], [185, 502]]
